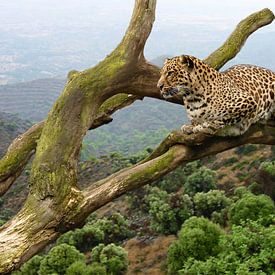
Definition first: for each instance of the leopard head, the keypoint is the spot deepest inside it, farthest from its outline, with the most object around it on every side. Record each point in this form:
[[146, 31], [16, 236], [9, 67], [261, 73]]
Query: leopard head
[[176, 75]]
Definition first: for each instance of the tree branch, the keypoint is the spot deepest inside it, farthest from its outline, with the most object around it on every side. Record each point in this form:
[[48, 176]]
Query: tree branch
[[176, 149], [236, 40], [17, 156], [142, 83]]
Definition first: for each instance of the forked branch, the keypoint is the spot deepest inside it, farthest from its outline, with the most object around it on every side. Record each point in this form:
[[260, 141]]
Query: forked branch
[[142, 82]]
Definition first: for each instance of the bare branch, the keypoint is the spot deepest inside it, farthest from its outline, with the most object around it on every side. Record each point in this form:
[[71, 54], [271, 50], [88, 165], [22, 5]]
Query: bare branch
[[176, 149], [236, 40], [144, 77], [17, 156]]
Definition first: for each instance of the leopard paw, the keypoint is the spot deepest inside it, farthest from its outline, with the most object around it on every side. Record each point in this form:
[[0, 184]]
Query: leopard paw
[[187, 129]]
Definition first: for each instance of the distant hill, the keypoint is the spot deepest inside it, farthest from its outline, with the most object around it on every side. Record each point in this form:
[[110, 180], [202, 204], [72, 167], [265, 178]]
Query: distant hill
[[10, 127], [144, 124], [30, 100]]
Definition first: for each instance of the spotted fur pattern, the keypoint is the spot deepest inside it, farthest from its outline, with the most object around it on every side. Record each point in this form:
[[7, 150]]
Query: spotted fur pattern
[[223, 103]]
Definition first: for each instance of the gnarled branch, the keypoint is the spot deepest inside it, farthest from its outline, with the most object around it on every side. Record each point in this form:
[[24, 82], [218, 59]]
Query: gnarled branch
[[55, 204], [142, 82]]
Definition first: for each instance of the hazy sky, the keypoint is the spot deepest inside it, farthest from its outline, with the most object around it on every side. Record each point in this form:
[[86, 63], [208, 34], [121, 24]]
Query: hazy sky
[[45, 12], [206, 20]]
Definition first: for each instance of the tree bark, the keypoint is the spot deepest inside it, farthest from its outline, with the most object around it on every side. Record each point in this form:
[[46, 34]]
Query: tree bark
[[55, 204], [142, 83]]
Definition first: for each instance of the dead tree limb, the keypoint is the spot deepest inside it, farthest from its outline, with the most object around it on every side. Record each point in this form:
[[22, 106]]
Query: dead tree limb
[[142, 83], [55, 204]]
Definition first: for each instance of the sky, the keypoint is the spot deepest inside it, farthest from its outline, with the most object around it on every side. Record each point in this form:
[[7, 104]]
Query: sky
[[205, 22]]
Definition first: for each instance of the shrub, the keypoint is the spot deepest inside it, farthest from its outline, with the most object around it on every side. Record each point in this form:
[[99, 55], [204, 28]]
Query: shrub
[[245, 149], [198, 239], [31, 267], [268, 167], [247, 250], [80, 268], [83, 239], [113, 257], [116, 227], [239, 192], [176, 179], [168, 211], [112, 229], [202, 180], [59, 259], [252, 207], [207, 203]]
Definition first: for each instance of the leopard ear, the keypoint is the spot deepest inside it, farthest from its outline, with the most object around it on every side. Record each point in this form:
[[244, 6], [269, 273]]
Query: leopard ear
[[185, 59], [166, 60]]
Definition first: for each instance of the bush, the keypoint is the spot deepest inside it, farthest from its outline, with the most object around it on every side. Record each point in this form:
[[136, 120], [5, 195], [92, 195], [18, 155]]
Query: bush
[[176, 179], [268, 167], [207, 203], [113, 257], [83, 239], [202, 180], [31, 267], [247, 250], [168, 211], [59, 259], [106, 230], [245, 149], [252, 207], [198, 239], [116, 227], [80, 268]]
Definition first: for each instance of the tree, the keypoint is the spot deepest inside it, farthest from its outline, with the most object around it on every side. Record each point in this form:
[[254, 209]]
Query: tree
[[59, 259], [198, 239], [55, 204], [252, 208]]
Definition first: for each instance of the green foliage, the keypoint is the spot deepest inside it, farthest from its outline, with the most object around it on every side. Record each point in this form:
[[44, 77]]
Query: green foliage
[[247, 250], [115, 228], [268, 167], [112, 229], [207, 203], [202, 180], [59, 259], [31, 267], [80, 268], [239, 192], [252, 207], [83, 239], [6, 214], [168, 211], [113, 257], [246, 149], [198, 239]]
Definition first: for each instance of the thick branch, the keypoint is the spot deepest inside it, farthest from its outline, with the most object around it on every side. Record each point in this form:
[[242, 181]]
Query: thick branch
[[143, 82], [17, 156], [176, 149], [236, 40]]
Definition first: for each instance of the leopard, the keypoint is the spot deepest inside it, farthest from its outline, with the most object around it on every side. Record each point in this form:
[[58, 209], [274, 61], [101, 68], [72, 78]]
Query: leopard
[[219, 103]]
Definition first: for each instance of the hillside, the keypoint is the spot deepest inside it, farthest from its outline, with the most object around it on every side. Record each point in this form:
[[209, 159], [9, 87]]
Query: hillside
[[10, 127], [31, 100], [143, 124]]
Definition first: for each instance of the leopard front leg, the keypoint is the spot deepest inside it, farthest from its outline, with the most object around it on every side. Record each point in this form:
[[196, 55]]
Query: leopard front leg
[[209, 128]]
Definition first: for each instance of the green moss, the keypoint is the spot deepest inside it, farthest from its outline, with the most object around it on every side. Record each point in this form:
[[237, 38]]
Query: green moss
[[19, 155], [112, 102], [159, 165]]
